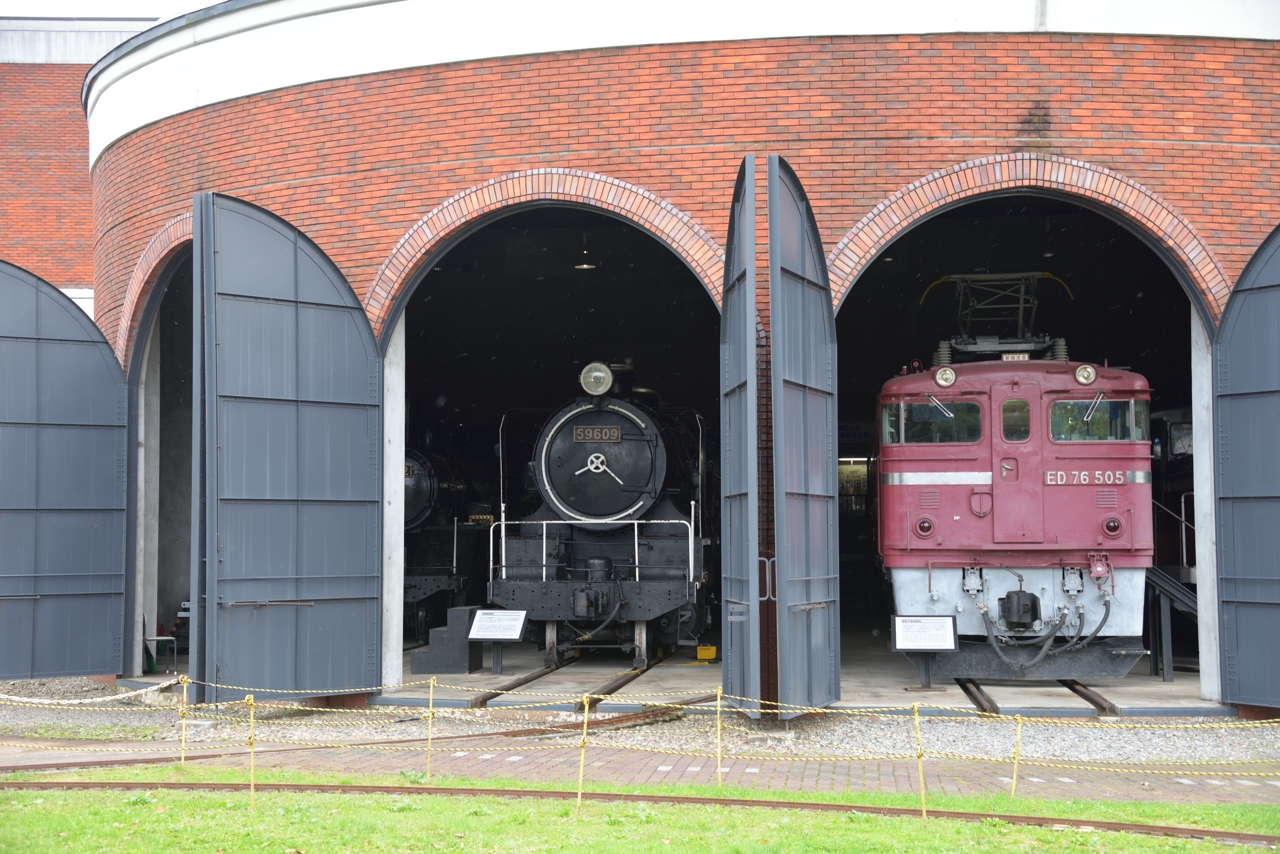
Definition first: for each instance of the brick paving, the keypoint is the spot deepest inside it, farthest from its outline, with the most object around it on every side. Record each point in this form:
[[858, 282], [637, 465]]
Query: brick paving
[[532, 760], [488, 760]]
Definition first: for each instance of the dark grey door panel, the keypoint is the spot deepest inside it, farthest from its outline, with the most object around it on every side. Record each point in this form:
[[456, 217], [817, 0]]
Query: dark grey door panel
[[803, 338], [63, 405], [292, 398], [739, 509], [1247, 413]]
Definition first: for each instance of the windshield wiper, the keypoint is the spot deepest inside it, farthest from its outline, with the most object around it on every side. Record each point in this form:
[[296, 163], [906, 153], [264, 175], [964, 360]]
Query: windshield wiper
[[945, 411], [1088, 416]]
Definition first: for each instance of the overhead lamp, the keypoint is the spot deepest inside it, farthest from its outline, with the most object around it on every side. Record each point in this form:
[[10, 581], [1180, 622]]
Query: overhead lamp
[[586, 262], [1086, 374], [945, 377], [596, 379]]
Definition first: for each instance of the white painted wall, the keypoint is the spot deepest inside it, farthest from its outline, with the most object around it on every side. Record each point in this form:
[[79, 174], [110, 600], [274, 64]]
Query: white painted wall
[[82, 297], [147, 538], [393, 410], [1202, 437], [62, 41], [205, 58]]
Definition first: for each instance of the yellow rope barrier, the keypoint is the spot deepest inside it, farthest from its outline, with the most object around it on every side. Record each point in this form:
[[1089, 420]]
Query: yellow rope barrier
[[719, 752], [582, 748], [1017, 752], [431, 724], [924, 811], [183, 760], [249, 702]]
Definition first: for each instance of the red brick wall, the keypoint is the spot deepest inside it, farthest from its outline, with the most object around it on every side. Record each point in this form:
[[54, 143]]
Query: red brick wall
[[46, 212], [355, 163]]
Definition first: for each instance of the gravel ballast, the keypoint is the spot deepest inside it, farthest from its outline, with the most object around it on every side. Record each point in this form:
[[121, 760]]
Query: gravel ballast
[[1150, 740]]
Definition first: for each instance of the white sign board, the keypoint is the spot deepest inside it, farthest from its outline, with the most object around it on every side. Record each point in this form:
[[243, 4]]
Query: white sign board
[[497, 626], [924, 634]]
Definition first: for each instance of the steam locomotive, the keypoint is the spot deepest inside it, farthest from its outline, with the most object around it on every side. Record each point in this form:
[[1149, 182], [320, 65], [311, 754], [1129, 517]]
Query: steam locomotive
[[447, 513], [1015, 496], [614, 554]]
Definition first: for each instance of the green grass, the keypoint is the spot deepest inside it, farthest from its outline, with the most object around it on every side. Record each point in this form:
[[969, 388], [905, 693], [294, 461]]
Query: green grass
[[291, 823], [1245, 818], [109, 732]]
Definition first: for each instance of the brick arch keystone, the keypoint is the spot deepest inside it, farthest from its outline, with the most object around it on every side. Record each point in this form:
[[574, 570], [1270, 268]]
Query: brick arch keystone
[[1128, 199], [167, 242], [676, 229]]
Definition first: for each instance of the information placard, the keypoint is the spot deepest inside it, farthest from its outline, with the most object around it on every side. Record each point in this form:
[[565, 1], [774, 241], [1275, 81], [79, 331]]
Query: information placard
[[497, 626], [924, 634]]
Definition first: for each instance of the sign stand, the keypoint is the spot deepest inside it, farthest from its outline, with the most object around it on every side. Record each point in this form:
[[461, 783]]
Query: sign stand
[[929, 635], [498, 626]]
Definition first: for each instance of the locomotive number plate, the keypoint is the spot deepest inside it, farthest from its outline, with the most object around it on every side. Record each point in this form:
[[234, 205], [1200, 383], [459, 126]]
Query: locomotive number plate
[[1088, 478], [588, 433]]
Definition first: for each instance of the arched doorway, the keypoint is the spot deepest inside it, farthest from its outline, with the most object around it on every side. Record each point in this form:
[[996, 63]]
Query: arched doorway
[[1095, 278], [494, 330]]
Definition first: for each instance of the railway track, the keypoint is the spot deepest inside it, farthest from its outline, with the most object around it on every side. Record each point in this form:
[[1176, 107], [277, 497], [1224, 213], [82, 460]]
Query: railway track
[[597, 725], [1222, 836]]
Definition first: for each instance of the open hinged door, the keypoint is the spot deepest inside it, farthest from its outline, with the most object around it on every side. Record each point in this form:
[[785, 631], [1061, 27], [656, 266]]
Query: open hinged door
[[1247, 413], [291, 385], [63, 423], [803, 338], [739, 508]]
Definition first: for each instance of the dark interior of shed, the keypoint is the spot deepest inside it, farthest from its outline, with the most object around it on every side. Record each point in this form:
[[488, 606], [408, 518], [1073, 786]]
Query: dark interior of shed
[[503, 324], [1117, 301]]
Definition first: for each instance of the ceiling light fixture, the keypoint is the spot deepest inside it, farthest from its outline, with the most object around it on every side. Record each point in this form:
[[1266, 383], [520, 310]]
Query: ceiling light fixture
[[586, 262]]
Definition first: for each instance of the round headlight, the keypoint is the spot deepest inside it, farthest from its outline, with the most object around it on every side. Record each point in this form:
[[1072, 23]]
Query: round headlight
[[925, 527], [1086, 374], [596, 378], [945, 377]]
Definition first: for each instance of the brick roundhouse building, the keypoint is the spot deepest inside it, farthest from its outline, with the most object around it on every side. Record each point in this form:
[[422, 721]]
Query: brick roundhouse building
[[431, 170]]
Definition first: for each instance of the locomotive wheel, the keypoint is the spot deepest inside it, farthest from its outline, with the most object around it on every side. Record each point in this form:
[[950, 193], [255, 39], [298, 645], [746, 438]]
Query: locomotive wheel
[[644, 645]]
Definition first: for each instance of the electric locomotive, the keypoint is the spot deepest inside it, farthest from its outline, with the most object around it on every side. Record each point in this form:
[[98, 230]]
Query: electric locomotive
[[613, 556], [1015, 496]]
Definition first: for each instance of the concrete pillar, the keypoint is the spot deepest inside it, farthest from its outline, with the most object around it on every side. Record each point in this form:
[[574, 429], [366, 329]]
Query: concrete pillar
[[1206, 522], [148, 500], [393, 412]]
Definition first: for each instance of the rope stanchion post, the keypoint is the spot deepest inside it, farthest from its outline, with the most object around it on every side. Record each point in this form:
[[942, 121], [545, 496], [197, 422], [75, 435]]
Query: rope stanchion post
[[719, 731], [1017, 754], [249, 702], [582, 749], [182, 761], [431, 724], [915, 713]]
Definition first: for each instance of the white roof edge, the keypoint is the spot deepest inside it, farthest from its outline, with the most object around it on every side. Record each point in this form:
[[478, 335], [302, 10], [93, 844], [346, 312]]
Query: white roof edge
[[247, 47]]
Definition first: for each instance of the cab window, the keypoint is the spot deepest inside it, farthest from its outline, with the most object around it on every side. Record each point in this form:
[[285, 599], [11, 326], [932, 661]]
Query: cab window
[[935, 421], [1098, 420], [1015, 417]]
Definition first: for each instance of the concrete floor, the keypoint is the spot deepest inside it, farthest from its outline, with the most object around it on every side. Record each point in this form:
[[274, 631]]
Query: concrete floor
[[871, 677]]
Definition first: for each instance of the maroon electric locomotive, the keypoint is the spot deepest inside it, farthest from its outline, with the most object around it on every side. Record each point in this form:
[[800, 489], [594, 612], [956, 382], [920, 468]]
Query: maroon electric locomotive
[[1014, 496]]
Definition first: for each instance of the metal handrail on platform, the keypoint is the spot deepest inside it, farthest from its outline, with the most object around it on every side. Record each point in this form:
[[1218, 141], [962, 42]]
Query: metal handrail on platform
[[634, 523]]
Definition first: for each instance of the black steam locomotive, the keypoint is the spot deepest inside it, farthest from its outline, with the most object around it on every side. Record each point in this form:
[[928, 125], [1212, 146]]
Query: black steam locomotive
[[613, 555], [447, 514]]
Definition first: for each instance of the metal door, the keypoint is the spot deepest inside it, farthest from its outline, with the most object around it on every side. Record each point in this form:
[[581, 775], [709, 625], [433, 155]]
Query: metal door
[[63, 411], [803, 337], [1247, 412], [1016, 482], [291, 381], [739, 508]]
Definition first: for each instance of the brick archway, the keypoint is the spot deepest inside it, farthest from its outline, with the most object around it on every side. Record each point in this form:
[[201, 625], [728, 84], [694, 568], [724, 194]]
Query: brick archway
[[675, 228], [1129, 200], [167, 242]]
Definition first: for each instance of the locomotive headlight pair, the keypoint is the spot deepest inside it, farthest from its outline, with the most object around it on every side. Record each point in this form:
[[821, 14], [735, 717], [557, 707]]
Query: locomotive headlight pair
[[596, 379]]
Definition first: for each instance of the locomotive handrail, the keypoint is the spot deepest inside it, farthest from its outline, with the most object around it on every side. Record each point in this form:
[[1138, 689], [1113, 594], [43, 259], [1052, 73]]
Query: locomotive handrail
[[634, 523]]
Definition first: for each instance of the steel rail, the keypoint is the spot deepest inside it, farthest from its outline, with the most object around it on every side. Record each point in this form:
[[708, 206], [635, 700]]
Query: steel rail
[[240, 749], [623, 797]]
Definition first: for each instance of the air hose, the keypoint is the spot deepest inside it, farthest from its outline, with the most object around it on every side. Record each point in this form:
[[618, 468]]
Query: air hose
[[1044, 650], [617, 606]]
